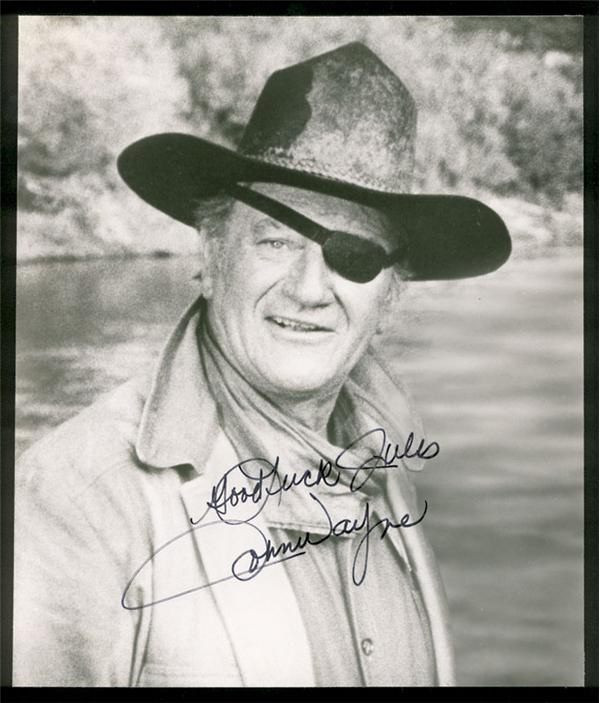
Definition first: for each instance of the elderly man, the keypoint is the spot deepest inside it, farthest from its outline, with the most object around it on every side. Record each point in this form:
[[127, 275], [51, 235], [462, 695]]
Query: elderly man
[[245, 517]]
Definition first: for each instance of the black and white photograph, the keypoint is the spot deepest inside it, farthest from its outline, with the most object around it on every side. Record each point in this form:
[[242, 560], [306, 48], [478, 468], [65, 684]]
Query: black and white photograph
[[299, 390]]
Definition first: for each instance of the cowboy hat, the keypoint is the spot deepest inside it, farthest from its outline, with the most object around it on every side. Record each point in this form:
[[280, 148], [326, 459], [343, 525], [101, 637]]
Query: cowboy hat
[[341, 123]]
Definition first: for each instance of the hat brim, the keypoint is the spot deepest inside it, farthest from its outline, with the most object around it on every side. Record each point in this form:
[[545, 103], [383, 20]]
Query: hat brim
[[449, 236]]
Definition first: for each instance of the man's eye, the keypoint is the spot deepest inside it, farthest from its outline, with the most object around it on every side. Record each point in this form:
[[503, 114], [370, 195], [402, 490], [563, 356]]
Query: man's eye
[[275, 243]]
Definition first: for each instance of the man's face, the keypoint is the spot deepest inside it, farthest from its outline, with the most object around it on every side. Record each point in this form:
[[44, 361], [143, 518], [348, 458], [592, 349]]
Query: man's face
[[290, 325]]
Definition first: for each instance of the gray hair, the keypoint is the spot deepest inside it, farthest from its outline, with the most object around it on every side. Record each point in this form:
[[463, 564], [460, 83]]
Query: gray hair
[[212, 214], [211, 217]]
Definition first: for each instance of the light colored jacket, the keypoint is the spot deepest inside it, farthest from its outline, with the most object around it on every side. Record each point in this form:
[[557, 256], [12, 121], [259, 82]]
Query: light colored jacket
[[107, 490]]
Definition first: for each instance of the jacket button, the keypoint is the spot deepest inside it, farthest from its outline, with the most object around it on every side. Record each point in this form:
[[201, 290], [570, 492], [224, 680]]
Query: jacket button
[[367, 646]]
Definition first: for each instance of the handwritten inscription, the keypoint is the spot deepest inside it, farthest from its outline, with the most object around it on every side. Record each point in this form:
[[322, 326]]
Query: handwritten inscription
[[263, 479]]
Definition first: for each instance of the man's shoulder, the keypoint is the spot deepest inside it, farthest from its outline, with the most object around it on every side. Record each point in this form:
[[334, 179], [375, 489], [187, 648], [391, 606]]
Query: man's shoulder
[[95, 443]]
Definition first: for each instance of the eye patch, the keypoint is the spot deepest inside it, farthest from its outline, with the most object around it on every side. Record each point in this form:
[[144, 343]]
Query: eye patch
[[351, 256]]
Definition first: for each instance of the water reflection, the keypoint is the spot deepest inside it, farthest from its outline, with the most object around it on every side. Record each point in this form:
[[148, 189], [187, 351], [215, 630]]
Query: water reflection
[[495, 365]]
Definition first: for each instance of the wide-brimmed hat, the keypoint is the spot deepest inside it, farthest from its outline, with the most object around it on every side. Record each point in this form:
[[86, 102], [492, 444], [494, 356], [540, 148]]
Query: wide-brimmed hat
[[341, 123]]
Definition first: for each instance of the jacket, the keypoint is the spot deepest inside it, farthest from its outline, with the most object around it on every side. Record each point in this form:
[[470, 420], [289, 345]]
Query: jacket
[[111, 578]]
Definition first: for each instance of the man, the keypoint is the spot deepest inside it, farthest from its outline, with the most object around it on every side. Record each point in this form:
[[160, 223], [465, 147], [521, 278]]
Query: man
[[245, 518]]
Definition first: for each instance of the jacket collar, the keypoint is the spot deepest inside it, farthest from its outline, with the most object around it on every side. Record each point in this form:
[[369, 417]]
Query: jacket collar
[[179, 420]]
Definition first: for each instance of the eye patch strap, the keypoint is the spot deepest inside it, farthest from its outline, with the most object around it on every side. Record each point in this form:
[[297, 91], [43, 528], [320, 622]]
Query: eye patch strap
[[280, 212]]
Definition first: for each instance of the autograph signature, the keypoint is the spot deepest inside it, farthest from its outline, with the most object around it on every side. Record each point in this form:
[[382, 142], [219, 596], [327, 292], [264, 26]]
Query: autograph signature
[[267, 481], [257, 561]]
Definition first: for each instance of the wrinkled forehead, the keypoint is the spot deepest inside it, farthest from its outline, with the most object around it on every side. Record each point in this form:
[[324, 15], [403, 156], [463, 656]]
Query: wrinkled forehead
[[330, 211]]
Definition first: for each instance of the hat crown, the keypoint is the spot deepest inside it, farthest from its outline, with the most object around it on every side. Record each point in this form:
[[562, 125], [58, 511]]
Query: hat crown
[[343, 115], [340, 123]]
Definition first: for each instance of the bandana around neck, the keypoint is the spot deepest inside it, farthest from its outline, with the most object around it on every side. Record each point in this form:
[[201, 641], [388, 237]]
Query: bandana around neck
[[372, 411]]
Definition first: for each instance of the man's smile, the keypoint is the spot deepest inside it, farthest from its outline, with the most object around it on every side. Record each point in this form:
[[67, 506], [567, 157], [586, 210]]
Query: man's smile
[[297, 325]]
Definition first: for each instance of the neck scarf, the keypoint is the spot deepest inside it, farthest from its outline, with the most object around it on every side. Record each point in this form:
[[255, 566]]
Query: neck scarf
[[257, 428]]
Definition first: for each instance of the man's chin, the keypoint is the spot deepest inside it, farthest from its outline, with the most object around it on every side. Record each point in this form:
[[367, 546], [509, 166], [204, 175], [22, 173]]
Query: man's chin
[[298, 378]]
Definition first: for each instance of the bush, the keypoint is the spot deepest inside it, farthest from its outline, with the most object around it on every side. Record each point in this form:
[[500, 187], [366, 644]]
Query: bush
[[539, 33], [543, 132]]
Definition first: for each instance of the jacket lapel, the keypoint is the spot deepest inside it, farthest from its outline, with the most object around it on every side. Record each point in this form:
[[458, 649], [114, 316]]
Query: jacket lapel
[[261, 614]]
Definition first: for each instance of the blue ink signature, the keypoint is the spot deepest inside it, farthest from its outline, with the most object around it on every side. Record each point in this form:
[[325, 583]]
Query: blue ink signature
[[268, 482]]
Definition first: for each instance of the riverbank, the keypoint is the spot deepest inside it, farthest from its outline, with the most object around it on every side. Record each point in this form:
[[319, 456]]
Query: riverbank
[[536, 231]]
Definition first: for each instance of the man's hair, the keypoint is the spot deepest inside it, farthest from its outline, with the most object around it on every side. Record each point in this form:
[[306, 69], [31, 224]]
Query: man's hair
[[212, 216]]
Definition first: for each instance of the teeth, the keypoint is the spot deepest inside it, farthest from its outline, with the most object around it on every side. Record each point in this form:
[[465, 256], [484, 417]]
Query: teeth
[[295, 325]]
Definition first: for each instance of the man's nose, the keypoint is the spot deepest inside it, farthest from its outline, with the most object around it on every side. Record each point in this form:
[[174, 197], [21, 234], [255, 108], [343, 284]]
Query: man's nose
[[308, 281]]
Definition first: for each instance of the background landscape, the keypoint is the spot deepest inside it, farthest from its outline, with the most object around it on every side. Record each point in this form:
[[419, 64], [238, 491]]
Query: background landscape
[[500, 113], [494, 363]]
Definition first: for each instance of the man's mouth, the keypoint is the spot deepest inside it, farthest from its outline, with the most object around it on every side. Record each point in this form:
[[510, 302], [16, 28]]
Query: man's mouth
[[297, 325]]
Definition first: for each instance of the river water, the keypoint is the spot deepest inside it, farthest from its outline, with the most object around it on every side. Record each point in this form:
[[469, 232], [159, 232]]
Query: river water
[[495, 366]]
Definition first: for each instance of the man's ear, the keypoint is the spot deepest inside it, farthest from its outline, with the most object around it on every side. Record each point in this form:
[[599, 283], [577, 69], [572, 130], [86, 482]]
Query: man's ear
[[385, 319], [390, 304], [207, 263], [207, 284]]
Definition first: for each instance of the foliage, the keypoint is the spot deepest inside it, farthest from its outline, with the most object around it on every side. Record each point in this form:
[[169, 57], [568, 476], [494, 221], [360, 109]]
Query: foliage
[[495, 114], [538, 33]]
